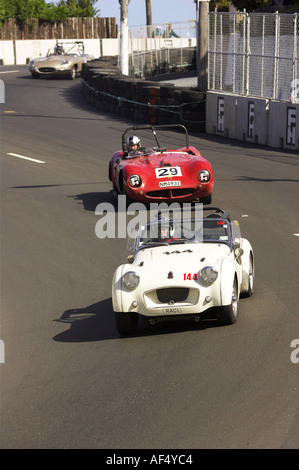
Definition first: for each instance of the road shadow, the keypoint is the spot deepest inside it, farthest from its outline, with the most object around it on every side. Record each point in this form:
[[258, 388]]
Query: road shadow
[[96, 323], [92, 323], [91, 200]]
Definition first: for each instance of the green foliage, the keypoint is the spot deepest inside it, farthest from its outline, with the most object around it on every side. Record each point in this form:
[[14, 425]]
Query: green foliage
[[39, 9], [250, 5], [221, 5]]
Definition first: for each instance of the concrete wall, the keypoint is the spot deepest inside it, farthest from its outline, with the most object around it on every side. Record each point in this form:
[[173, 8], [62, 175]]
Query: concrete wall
[[284, 125], [221, 114], [255, 120], [19, 52]]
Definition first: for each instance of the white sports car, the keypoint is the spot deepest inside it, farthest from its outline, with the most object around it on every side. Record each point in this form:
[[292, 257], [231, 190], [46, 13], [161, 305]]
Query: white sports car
[[182, 268]]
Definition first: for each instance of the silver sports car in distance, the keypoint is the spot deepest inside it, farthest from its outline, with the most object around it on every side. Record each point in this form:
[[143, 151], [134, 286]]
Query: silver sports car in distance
[[65, 59]]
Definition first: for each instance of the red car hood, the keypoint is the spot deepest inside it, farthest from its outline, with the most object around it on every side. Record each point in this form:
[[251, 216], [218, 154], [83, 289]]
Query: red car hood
[[157, 160]]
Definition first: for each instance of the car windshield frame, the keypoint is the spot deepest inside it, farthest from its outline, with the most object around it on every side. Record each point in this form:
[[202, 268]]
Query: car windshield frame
[[205, 230], [67, 48]]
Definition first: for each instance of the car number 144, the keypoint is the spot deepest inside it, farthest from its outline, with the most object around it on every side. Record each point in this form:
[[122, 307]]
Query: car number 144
[[168, 172]]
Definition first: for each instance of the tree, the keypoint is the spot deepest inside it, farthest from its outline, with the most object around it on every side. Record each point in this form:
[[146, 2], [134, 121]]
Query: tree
[[250, 5], [75, 8], [22, 10]]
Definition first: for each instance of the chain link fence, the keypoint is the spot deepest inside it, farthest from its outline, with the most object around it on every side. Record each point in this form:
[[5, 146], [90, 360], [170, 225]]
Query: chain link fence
[[162, 48], [253, 54]]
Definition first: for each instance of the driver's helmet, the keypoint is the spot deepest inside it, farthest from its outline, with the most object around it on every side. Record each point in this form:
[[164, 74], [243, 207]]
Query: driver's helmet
[[58, 49], [131, 142]]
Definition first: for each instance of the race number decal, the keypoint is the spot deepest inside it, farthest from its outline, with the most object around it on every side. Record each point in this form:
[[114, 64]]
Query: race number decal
[[168, 171]]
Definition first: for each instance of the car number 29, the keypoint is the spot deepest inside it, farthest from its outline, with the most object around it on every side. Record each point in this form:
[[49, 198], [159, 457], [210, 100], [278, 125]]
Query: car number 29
[[168, 171]]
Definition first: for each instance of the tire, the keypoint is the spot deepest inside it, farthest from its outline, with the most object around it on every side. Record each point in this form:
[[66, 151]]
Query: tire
[[35, 75], [250, 276], [206, 199], [72, 73], [122, 191], [126, 323], [227, 315]]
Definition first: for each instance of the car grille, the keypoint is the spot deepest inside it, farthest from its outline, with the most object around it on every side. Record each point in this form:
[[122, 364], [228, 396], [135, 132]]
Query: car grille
[[171, 193], [47, 70], [172, 294], [165, 296]]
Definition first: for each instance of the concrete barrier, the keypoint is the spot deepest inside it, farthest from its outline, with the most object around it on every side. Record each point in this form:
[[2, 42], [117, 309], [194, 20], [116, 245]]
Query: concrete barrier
[[256, 120], [252, 122], [221, 114], [19, 52], [284, 125], [7, 53]]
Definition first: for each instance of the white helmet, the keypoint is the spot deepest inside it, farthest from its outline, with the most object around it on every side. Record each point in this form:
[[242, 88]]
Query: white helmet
[[133, 140]]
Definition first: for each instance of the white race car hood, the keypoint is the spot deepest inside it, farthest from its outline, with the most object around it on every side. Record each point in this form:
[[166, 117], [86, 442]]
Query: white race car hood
[[182, 257]]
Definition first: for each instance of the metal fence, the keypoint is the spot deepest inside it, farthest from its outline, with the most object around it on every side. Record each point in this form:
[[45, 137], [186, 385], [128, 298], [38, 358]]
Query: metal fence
[[159, 48], [253, 54]]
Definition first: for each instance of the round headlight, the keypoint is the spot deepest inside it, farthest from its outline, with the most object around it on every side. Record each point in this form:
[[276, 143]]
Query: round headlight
[[131, 280], [135, 181], [204, 176], [208, 275]]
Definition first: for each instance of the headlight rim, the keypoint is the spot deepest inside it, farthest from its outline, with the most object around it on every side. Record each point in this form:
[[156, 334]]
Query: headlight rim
[[203, 277], [207, 173], [134, 185], [127, 283]]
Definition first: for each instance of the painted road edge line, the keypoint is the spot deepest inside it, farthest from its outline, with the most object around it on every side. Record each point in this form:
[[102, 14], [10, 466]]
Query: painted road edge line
[[25, 158]]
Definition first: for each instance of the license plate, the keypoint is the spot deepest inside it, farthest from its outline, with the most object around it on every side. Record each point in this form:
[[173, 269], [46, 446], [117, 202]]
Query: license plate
[[172, 310], [166, 184]]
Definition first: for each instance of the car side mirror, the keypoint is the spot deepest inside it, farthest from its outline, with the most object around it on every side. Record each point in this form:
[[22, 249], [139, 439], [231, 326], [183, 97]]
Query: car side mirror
[[130, 259], [238, 253]]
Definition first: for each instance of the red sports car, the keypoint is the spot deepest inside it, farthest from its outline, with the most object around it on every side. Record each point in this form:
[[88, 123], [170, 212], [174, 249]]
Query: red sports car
[[159, 174]]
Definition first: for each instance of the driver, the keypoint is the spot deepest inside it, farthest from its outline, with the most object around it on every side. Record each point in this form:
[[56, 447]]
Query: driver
[[165, 232], [133, 145], [58, 50]]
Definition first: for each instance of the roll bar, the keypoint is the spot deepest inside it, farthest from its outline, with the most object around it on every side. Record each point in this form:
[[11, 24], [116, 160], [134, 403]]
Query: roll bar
[[153, 129]]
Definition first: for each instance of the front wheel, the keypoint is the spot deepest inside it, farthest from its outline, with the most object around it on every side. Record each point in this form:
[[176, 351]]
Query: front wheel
[[206, 199], [123, 192], [126, 323], [72, 74], [227, 315], [250, 276]]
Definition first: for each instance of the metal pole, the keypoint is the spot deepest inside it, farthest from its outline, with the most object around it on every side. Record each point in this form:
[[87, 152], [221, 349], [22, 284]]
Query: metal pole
[[202, 40], [124, 38]]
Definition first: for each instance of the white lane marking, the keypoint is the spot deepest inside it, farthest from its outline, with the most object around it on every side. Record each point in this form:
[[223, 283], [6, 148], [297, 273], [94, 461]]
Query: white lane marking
[[9, 71], [296, 234], [26, 158]]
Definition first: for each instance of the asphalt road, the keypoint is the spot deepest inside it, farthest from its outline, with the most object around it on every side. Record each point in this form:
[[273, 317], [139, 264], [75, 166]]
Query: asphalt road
[[68, 380]]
